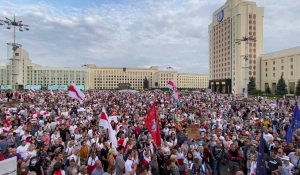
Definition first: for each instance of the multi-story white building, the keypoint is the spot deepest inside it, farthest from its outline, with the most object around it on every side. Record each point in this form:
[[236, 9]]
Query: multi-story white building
[[228, 69], [192, 81], [29, 75], [113, 77], [285, 62]]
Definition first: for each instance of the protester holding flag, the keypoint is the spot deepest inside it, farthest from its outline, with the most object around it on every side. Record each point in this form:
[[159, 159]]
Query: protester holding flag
[[75, 93], [152, 124]]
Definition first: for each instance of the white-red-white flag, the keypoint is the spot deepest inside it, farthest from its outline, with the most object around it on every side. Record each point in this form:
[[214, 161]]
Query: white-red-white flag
[[75, 93], [32, 90], [105, 123], [172, 86]]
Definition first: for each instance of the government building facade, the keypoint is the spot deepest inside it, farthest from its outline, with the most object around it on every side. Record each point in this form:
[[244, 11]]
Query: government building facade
[[228, 68], [24, 74]]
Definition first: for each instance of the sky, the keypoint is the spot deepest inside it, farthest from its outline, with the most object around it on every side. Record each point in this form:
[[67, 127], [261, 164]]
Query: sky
[[133, 33]]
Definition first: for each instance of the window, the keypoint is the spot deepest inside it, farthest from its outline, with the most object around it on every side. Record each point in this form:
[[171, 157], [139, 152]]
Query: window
[[273, 74], [273, 68], [292, 66], [266, 69], [266, 63], [273, 62], [292, 59], [266, 75], [292, 73], [282, 67], [282, 61]]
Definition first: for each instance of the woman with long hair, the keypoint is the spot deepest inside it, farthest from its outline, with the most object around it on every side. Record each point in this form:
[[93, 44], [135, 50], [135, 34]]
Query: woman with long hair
[[73, 168], [188, 162], [22, 169], [91, 162]]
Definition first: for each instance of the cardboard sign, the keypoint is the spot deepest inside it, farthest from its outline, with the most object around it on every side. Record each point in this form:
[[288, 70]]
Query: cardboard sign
[[193, 131], [8, 166]]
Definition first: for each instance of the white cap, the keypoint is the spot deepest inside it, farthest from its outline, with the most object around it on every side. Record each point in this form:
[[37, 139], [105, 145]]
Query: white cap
[[285, 158]]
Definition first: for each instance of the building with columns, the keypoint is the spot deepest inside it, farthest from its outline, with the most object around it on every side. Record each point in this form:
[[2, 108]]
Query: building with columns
[[29, 75], [227, 67]]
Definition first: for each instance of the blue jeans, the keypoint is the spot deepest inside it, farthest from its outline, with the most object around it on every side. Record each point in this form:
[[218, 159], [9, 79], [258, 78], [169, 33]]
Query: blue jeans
[[216, 167]]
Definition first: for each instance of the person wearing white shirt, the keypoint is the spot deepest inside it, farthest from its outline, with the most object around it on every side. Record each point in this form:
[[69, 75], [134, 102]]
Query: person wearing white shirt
[[287, 166], [129, 162], [295, 158], [75, 156], [72, 129], [22, 149], [267, 136]]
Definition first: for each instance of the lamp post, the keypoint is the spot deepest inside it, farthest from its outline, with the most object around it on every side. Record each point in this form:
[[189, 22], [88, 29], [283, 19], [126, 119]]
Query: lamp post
[[9, 23], [247, 41]]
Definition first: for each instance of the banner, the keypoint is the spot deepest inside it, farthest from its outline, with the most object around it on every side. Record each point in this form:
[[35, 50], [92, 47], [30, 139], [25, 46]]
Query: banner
[[5, 87], [63, 87], [35, 87], [8, 166], [57, 87], [193, 131]]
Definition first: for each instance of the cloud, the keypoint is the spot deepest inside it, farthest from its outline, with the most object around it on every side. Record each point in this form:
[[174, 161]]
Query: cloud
[[134, 34]]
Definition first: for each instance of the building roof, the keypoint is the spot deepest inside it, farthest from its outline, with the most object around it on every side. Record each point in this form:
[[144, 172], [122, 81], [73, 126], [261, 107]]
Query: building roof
[[282, 53]]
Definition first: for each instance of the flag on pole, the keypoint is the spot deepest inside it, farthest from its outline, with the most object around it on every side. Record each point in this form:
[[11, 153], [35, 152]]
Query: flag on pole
[[260, 163], [295, 124], [51, 92], [32, 90], [105, 123], [152, 125], [75, 93], [172, 86]]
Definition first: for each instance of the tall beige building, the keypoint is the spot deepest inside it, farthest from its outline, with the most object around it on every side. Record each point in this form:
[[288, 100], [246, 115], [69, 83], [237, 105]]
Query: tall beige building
[[29, 75], [285, 62], [228, 69]]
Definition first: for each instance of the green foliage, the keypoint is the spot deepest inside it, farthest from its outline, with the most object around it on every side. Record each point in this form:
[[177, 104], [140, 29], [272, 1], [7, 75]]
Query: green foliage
[[252, 86], [281, 87], [298, 88], [268, 90], [146, 83]]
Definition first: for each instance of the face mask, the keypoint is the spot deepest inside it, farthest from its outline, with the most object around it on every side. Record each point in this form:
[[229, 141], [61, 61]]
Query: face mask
[[33, 162]]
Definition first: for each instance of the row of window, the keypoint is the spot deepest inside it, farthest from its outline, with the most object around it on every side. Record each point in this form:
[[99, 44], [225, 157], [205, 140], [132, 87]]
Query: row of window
[[291, 73], [282, 61]]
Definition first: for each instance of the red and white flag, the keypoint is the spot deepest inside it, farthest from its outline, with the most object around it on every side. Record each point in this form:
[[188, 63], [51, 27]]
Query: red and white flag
[[105, 123], [31, 90], [172, 86], [75, 93], [152, 125]]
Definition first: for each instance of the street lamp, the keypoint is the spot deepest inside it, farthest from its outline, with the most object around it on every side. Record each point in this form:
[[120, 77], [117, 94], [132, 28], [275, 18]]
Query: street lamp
[[247, 40], [9, 23]]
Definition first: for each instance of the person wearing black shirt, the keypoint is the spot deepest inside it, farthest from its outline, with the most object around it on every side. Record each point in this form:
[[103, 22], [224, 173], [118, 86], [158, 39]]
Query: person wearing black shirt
[[35, 165], [57, 147], [104, 152], [64, 133], [273, 164]]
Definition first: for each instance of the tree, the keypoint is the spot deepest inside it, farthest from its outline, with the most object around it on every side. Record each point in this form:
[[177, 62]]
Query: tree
[[281, 87], [146, 83], [268, 90], [298, 88], [251, 86]]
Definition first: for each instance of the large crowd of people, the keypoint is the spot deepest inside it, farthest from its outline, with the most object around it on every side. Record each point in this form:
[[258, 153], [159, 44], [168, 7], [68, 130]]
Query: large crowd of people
[[53, 134]]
